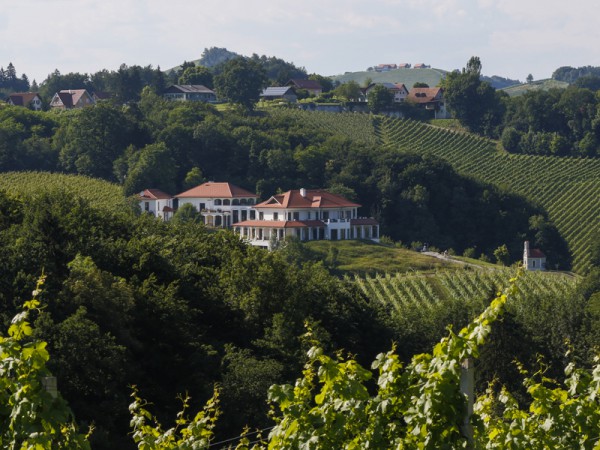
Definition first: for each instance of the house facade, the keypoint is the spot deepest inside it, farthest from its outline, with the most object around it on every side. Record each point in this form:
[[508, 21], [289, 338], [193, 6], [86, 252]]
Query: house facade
[[190, 93], [220, 204], [306, 215], [30, 100], [71, 99], [533, 259], [431, 99], [313, 87], [157, 203]]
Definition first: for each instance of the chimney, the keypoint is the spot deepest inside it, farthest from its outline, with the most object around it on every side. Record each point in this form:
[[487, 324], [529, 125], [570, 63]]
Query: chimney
[[303, 192]]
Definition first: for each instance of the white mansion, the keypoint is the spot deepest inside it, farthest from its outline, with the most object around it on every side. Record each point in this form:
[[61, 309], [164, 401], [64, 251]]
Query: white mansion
[[303, 213]]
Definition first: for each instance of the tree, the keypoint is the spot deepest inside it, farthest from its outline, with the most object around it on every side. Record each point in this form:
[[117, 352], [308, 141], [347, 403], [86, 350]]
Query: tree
[[420, 84], [350, 91], [241, 81], [502, 256], [380, 99], [473, 102], [154, 168], [197, 75], [529, 79]]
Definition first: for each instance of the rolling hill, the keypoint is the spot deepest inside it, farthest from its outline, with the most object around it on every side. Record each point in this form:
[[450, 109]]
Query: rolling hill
[[407, 76], [99, 193], [567, 188]]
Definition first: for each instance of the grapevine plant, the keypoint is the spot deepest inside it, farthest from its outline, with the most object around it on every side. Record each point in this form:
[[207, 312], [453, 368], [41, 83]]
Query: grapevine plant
[[31, 417]]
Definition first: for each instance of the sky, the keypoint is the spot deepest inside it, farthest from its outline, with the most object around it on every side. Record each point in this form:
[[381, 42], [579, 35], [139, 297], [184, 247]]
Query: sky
[[513, 38]]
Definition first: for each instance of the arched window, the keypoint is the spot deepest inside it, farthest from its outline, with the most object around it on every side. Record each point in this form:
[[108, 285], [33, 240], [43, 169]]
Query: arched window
[[251, 201], [217, 202], [235, 201], [243, 201], [226, 202]]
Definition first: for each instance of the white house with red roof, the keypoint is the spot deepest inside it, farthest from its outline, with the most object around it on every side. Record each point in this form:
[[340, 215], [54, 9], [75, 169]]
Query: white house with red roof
[[220, 204], [313, 87], [306, 215], [533, 259], [157, 203]]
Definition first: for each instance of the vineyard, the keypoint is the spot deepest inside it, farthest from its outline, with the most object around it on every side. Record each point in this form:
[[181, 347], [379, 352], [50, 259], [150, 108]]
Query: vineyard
[[406, 294], [567, 188], [100, 194]]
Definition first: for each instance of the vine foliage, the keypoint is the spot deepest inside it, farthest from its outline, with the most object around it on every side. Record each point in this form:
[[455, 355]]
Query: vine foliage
[[31, 416]]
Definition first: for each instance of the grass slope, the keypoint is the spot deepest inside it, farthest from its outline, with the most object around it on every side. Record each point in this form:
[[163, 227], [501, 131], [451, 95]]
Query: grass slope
[[101, 194], [567, 188], [540, 85], [365, 257], [407, 76]]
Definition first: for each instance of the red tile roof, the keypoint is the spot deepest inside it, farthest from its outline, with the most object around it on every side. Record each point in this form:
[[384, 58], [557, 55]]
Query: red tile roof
[[305, 84], [313, 198], [423, 95], [22, 98], [216, 190], [281, 223], [154, 194], [536, 253]]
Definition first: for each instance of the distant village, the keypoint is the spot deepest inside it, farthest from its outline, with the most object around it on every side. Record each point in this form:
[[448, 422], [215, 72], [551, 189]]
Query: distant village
[[428, 98]]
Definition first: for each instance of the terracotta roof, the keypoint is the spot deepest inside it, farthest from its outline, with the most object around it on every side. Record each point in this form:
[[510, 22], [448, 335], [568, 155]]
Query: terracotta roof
[[313, 198], [281, 223], [401, 86], [216, 190], [75, 94], [22, 98], [154, 194], [305, 84], [364, 221], [423, 95], [536, 253]]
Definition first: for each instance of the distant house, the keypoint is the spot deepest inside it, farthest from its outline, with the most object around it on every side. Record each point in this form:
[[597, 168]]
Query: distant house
[[385, 67], [157, 203], [431, 99], [286, 93], [30, 100], [533, 259], [404, 66], [220, 204], [190, 93], [421, 66], [399, 90], [306, 215], [71, 99], [313, 87]]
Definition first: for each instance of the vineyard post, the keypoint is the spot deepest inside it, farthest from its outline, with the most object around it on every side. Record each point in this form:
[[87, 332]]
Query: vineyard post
[[467, 388]]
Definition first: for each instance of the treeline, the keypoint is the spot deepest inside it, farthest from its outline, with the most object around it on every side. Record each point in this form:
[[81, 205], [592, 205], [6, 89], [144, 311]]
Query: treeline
[[174, 146], [559, 122], [127, 82]]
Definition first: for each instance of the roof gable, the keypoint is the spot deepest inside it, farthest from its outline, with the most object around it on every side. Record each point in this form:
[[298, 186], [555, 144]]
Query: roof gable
[[216, 190], [313, 198], [154, 194], [305, 83]]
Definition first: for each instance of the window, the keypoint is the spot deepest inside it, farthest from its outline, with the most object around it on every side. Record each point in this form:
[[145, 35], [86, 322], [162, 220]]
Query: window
[[296, 216], [147, 206], [217, 202], [275, 216], [261, 216], [235, 201], [226, 202]]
